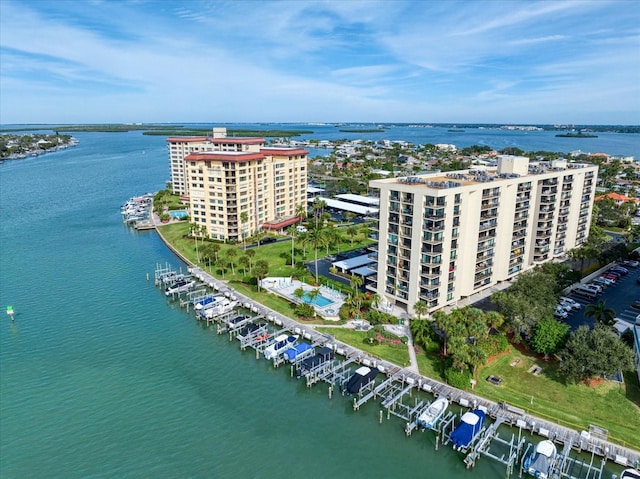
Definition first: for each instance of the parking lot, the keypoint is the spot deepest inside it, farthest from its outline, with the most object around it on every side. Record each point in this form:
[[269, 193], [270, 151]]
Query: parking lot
[[619, 296]]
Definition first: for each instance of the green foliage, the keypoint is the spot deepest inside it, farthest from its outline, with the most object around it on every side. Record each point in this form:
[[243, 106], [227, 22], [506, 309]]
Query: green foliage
[[600, 313], [458, 379], [493, 345], [531, 299], [305, 310], [549, 336], [378, 317], [594, 353]]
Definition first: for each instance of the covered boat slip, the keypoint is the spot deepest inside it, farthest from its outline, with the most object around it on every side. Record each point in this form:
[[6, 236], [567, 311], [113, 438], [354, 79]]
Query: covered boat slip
[[335, 363]]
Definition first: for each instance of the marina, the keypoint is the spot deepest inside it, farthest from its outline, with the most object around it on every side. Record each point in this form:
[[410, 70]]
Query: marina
[[104, 376], [275, 337]]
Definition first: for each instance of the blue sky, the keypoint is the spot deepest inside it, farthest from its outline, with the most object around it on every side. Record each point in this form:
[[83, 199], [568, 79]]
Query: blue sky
[[519, 62]]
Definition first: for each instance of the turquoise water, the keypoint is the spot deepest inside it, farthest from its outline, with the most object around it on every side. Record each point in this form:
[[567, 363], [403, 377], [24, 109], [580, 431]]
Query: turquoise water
[[319, 300], [179, 214], [101, 376]]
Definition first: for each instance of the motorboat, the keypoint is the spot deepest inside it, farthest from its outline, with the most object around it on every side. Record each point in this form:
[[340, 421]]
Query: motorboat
[[280, 345], [429, 416], [322, 356], [224, 306], [251, 329], [238, 321], [361, 378], [296, 351], [179, 287], [630, 474], [539, 463], [209, 300], [469, 427]]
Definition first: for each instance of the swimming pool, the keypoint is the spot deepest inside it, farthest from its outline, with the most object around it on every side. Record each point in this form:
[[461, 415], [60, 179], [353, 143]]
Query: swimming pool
[[179, 214], [319, 301]]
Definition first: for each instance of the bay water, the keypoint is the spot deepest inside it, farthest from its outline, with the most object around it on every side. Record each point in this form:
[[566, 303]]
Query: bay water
[[102, 377]]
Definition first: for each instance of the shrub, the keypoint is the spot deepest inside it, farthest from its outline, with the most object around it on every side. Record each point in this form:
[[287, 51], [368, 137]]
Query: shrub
[[458, 379], [493, 344], [305, 310]]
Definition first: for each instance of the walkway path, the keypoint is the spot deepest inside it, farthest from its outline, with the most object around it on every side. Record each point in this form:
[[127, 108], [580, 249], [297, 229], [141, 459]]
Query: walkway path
[[509, 414]]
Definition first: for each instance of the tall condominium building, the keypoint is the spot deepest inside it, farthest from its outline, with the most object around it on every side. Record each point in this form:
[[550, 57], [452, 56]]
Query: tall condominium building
[[443, 237], [236, 186]]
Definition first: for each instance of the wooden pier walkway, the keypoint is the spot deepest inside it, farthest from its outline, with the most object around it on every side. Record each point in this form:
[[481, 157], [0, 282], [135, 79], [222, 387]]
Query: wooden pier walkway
[[509, 415]]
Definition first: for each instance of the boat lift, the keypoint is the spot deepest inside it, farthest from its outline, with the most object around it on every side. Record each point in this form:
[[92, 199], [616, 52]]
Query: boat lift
[[449, 425], [490, 436], [567, 467]]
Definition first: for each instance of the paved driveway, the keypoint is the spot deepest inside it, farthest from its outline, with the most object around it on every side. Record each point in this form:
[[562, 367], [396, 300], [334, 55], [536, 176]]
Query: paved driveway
[[619, 296]]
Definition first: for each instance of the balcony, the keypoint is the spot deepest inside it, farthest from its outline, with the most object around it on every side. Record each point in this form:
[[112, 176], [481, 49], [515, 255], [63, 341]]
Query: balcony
[[488, 224]]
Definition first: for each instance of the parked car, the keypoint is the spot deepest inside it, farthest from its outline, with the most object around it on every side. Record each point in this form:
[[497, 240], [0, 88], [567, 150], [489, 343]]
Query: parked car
[[606, 280], [619, 269], [612, 278], [564, 307], [560, 313], [631, 263], [268, 239], [574, 304]]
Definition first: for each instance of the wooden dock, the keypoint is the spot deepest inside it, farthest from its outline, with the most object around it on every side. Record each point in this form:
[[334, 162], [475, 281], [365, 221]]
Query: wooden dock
[[336, 372]]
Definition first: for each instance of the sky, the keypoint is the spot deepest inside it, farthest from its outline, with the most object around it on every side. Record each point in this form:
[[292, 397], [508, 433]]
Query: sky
[[425, 61]]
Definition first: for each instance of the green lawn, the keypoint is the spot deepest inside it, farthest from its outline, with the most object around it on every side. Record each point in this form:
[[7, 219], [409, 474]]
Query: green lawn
[[276, 254], [394, 353], [609, 405]]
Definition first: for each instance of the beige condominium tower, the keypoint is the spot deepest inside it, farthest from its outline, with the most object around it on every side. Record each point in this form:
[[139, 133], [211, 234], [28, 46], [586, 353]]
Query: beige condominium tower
[[446, 236], [237, 186]]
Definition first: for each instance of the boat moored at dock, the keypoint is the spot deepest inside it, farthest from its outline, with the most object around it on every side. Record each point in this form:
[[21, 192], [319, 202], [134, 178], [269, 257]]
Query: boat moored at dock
[[630, 474], [322, 356], [539, 463], [179, 286], [297, 351], [360, 379], [429, 416], [470, 426], [280, 345]]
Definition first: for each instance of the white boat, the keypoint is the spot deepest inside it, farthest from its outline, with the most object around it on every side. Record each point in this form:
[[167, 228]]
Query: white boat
[[179, 287], [281, 344], [429, 416], [208, 302], [540, 463], [630, 474], [222, 307]]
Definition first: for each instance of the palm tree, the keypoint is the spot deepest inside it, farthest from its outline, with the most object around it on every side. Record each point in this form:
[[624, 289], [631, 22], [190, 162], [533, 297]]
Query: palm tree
[[259, 235], [477, 329], [244, 262], [420, 308], [476, 357], [600, 312], [250, 254], [292, 232], [299, 293], [261, 270], [316, 238], [244, 217], [313, 294], [355, 281], [208, 253], [318, 207], [301, 210], [333, 236], [352, 231], [232, 253], [494, 319]]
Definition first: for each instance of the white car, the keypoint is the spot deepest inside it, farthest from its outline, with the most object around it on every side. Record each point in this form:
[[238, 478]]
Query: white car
[[560, 313], [564, 306], [631, 263], [607, 281], [574, 304]]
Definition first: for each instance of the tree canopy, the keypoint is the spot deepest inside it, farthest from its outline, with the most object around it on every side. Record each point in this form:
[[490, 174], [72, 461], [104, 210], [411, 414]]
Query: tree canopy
[[591, 353]]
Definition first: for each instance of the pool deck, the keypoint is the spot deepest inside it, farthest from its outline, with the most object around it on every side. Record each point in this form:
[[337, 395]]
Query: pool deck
[[285, 287]]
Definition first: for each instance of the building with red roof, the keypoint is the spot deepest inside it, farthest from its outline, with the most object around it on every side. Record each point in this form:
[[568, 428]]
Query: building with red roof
[[237, 186]]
